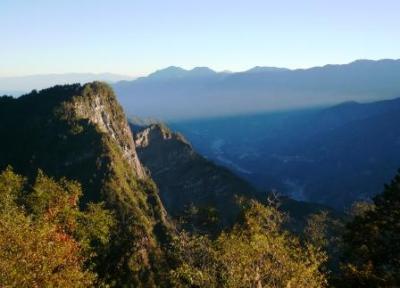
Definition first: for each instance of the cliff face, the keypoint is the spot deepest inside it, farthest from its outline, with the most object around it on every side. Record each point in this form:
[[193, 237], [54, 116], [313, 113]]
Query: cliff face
[[190, 186], [100, 107], [81, 133]]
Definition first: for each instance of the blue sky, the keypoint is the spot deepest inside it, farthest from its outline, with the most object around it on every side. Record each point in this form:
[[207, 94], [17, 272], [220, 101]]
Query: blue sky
[[137, 37]]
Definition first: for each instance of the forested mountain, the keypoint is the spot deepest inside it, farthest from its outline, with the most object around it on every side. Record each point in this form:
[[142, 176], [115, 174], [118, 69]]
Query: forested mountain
[[332, 155], [81, 133], [202, 92]]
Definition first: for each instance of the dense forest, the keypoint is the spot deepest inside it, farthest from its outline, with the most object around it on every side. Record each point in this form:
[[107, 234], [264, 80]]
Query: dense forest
[[79, 209]]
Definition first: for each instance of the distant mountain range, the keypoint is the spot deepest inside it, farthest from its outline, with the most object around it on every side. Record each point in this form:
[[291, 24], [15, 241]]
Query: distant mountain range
[[176, 93], [19, 85], [332, 155]]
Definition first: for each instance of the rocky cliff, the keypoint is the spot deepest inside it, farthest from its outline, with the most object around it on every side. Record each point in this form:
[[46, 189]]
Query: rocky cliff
[[99, 106]]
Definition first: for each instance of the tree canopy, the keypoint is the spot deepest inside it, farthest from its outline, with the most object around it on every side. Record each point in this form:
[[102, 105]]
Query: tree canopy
[[371, 256], [45, 239]]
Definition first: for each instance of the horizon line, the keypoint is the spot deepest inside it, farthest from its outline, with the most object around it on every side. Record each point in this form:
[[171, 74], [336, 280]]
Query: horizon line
[[185, 68]]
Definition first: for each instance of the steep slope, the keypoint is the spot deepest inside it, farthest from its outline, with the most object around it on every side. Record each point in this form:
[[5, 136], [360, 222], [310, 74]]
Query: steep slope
[[80, 132], [206, 195], [186, 94], [187, 180], [334, 155]]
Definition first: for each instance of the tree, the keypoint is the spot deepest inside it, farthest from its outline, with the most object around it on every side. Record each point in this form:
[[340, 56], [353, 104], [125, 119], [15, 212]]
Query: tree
[[259, 253], [256, 252], [197, 263], [371, 254], [45, 240]]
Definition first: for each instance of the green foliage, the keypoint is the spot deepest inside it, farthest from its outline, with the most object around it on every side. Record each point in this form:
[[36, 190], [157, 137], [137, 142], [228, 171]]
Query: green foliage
[[37, 254], [11, 186], [324, 231], [257, 252], [371, 256], [204, 219], [197, 262], [56, 202], [316, 229], [94, 226], [45, 240]]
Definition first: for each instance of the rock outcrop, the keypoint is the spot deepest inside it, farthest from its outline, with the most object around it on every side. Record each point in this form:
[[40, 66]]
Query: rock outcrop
[[101, 109]]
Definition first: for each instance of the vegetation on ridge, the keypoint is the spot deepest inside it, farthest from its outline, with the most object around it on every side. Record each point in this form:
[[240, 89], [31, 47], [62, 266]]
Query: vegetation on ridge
[[81, 133]]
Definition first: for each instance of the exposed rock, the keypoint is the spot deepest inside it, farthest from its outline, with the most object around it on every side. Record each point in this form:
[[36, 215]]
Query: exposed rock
[[104, 111]]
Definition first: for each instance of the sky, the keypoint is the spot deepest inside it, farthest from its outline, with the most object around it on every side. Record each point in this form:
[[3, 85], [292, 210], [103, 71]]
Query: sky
[[138, 37]]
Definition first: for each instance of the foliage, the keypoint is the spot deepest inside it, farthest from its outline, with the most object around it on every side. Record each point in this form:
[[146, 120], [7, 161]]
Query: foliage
[[203, 220], [197, 262], [257, 252], [45, 240], [324, 231], [371, 256]]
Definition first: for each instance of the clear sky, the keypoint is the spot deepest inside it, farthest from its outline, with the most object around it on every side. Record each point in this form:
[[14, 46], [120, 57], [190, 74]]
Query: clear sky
[[137, 37]]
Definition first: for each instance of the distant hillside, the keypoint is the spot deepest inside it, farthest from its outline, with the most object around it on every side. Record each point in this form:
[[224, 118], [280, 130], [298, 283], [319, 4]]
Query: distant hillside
[[332, 155], [202, 92], [207, 196], [19, 85], [186, 179]]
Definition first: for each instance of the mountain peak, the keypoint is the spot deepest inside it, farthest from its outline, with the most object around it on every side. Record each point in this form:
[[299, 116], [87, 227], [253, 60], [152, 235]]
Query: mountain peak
[[174, 72], [259, 69], [168, 73], [202, 71], [374, 62]]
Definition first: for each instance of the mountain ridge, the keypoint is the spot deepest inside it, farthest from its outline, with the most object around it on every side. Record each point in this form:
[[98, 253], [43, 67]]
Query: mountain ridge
[[223, 94], [81, 133]]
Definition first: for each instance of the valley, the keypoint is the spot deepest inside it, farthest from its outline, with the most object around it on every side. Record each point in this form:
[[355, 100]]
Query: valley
[[324, 155]]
